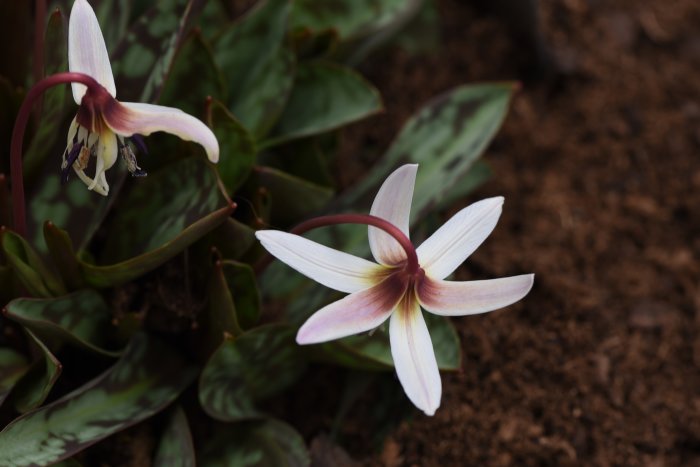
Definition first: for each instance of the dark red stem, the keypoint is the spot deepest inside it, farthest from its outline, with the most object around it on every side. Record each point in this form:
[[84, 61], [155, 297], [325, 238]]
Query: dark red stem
[[18, 208], [412, 265]]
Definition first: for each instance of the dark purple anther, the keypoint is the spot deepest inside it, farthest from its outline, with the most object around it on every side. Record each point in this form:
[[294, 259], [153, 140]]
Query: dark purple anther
[[139, 143], [72, 156]]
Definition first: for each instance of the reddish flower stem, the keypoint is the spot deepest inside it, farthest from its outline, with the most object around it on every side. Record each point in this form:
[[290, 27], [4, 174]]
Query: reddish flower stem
[[412, 266], [18, 204]]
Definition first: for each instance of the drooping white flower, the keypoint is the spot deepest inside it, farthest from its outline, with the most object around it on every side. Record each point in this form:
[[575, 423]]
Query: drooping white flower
[[102, 124], [388, 290]]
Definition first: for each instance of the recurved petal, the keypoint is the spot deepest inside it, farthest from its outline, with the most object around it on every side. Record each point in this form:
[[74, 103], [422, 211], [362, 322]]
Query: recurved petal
[[452, 243], [414, 358], [332, 268], [450, 298], [393, 203], [358, 312], [128, 118], [87, 52]]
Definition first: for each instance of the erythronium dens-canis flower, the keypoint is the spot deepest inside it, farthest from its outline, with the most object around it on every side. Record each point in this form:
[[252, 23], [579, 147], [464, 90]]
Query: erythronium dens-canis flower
[[102, 124], [402, 281]]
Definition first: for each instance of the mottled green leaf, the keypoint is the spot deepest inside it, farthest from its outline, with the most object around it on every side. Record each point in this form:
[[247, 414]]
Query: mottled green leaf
[[445, 137], [147, 378], [373, 351], [13, 365], [256, 365], [148, 49], [54, 101], [244, 290], [63, 255], [81, 318], [236, 146], [256, 443], [39, 280], [193, 77], [325, 96], [233, 238], [291, 198], [220, 319], [350, 18], [34, 387], [162, 215], [258, 67], [175, 448]]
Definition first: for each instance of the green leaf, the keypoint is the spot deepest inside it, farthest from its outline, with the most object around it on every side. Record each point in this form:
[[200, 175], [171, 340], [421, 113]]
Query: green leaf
[[258, 67], [233, 238], [34, 387], [53, 103], [236, 145], [63, 255], [113, 16], [176, 448], [257, 443], [162, 215], [350, 18], [445, 137], [244, 290], [325, 96], [146, 54], [81, 318], [193, 77], [291, 198], [28, 266], [13, 365], [258, 364], [373, 352], [220, 319], [146, 379]]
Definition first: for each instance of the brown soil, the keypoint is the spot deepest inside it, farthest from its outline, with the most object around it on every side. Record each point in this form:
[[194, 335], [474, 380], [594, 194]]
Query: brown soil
[[600, 168]]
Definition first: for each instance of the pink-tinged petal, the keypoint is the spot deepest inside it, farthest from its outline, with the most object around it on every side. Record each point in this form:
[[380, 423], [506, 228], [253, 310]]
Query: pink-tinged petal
[[414, 358], [392, 203], [332, 268], [452, 243], [87, 52], [449, 298], [128, 118], [356, 313]]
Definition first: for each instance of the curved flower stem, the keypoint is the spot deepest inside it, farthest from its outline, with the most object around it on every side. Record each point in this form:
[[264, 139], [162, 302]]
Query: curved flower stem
[[18, 208], [412, 266]]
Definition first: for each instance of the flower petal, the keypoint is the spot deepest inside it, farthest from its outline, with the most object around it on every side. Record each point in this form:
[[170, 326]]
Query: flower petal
[[414, 358], [332, 268], [87, 52], [393, 203], [128, 118], [449, 298], [452, 243], [358, 312]]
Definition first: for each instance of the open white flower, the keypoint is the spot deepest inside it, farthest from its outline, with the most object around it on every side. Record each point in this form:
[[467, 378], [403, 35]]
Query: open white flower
[[102, 124], [391, 289]]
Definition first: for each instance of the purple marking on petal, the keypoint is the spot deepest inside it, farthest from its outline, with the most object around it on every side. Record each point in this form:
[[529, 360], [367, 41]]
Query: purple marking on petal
[[72, 156], [139, 143]]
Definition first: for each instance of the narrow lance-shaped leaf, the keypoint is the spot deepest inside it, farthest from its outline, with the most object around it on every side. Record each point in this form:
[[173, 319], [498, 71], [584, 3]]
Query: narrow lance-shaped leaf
[[240, 279], [175, 448], [13, 365], [34, 387], [147, 378], [81, 318], [31, 270]]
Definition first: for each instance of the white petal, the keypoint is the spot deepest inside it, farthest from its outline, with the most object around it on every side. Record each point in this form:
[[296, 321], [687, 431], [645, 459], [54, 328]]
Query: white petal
[[393, 203], [128, 118], [414, 358], [332, 268], [87, 52], [452, 243], [449, 298], [358, 312]]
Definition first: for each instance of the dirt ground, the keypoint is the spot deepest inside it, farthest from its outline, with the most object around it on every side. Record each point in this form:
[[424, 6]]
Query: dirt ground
[[600, 168]]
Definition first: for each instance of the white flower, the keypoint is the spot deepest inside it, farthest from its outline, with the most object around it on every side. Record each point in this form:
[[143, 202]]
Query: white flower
[[102, 124], [389, 290]]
